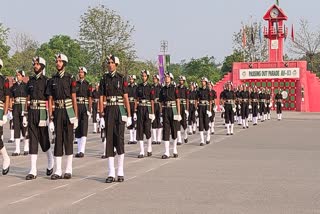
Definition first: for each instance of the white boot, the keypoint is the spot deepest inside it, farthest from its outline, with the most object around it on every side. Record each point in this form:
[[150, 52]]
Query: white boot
[[175, 151], [131, 132], [69, 164], [228, 129], [201, 138], [33, 170], [120, 164], [141, 144], [111, 169], [179, 137], [17, 142], [231, 129], [269, 116], [50, 159], [79, 144], [83, 144], [208, 137], [280, 116], [166, 147], [247, 122], [6, 158], [190, 129], [94, 127], [26, 145], [194, 127], [244, 123], [212, 127], [12, 135], [154, 135], [159, 135], [58, 162], [186, 135], [135, 135], [104, 147], [149, 148]]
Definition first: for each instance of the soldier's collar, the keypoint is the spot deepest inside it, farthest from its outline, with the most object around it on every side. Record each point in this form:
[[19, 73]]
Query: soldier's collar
[[61, 73], [112, 74], [144, 83]]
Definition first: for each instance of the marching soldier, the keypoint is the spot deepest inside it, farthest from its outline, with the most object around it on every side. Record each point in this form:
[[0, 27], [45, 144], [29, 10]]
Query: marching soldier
[[95, 106], [213, 107], [278, 99], [204, 110], [62, 93], [143, 112], [244, 100], [84, 103], [250, 90], [169, 97], [262, 103], [268, 105], [238, 106], [221, 100], [184, 109], [4, 103], [254, 96], [192, 97], [114, 89], [19, 93], [37, 117], [10, 118], [132, 90], [229, 106], [156, 124]]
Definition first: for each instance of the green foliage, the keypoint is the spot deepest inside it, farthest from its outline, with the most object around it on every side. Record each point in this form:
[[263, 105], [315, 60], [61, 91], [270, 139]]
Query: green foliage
[[229, 60], [4, 49]]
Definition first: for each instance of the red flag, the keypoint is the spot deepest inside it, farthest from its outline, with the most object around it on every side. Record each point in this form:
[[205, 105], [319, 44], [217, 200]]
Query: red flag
[[292, 33]]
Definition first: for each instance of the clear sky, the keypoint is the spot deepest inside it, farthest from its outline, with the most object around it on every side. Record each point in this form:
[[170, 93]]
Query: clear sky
[[192, 28]]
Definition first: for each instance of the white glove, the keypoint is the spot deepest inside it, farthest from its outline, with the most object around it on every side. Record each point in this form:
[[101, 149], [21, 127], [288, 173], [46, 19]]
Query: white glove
[[129, 121], [152, 117], [98, 118], [270, 105], [9, 115], [102, 123], [282, 105], [135, 116], [51, 126], [89, 115], [234, 109], [177, 117], [187, 113], [161, 119], [4, 119], [24, 121], [239, 106], [215, 109], [75, 123], [209, 113], [250, 106], [196, 113]]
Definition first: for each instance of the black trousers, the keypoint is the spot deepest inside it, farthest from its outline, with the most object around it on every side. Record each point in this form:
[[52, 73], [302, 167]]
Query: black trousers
[[17, 121], [261, 108], [64, 133], [203, 118], [192, 114], [143, 123], [133, 125], [11, 124], [183, 122], [254, 109], [37, 134], [229, 114], [238, 110], [267, 109], [82, 129], [170, 126], [156, 123], [94, 112], [114, 131], [244, 110], [279, 107], [1, 141]]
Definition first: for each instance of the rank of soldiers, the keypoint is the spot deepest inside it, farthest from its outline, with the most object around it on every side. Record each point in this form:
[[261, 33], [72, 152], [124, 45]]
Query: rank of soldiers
[[58, 109]]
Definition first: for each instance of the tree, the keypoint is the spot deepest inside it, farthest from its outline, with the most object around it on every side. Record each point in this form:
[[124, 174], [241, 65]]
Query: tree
[[71, 48], [102, 32], [229, 60], [4, 48], [248, 41], [306, 44], [25, 49]]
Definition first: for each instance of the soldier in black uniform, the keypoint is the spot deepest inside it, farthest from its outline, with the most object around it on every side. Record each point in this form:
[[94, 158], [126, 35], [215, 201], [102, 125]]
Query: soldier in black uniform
[[19, 93], [169, 97], [95, 106], [268, 105], [278, 99], [244, 100], [132, 90], [213, 108], [4, 103], [250, 90], [238, 106], [204, 110], [143, 111], [262, 103], [156, 124], [62, 93], [229, 106], [184, 110], [84, 102], [254, 96], [37, 117], [114, 89], [221, 100], [192, 97]]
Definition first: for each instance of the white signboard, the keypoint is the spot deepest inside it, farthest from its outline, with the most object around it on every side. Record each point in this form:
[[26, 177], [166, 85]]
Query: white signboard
[[274, 44], [269, 73]]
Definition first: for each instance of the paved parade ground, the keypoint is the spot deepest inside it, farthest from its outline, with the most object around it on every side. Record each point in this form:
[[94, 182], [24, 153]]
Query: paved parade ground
[[270, 168]]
